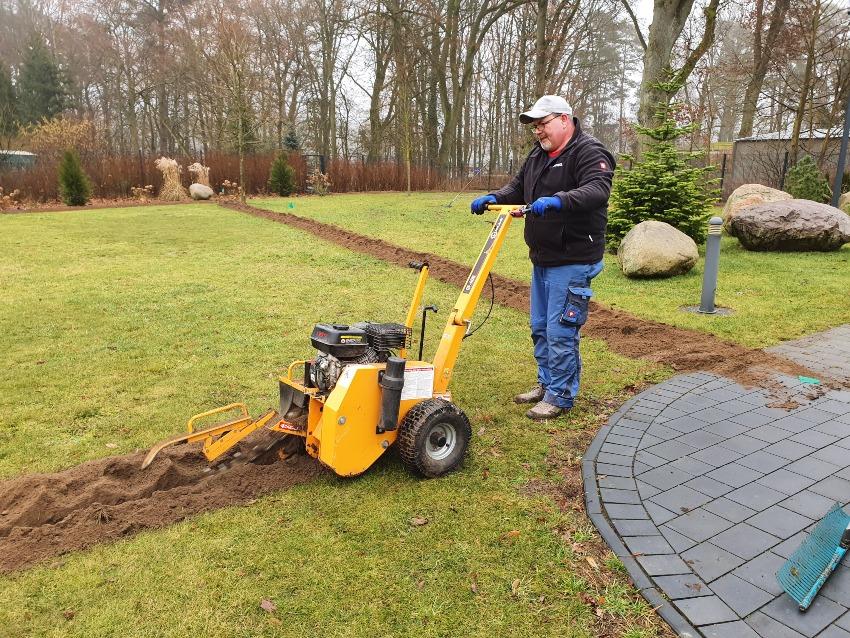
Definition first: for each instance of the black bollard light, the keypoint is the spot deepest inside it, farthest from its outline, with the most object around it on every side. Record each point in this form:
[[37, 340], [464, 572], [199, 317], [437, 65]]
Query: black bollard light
[[712, 262]]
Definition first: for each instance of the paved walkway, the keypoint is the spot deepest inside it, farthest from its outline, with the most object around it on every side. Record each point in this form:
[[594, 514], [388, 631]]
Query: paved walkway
[[703, 491]]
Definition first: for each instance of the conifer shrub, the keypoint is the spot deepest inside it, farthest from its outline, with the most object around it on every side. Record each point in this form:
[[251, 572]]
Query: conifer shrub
[[74, 185], [805, 181], [281, 177], [665, 184]]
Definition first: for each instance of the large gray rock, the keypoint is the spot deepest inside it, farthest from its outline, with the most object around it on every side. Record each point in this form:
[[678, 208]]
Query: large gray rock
[[749, 195], [656, 249], [793, 225], [200, 191]]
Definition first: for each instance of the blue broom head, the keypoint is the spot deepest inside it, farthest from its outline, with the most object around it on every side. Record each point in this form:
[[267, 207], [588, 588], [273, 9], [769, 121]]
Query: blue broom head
[[801, 571]]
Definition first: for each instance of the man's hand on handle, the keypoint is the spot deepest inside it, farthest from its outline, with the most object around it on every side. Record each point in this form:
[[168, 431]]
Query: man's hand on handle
[[479, 205], [543, 204]]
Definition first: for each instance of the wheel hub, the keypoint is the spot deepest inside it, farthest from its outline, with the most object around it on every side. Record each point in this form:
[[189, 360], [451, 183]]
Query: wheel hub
[[441, 441]]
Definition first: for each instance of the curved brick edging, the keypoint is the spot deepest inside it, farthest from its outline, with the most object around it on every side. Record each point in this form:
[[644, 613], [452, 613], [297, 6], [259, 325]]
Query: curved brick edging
[[655, 474]]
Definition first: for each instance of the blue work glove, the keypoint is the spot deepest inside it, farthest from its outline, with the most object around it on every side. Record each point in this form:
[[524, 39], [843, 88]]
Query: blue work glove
[[479, 205], [542, 204]]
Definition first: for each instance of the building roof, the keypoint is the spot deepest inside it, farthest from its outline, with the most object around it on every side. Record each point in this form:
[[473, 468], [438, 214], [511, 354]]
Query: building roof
[[814, 134]]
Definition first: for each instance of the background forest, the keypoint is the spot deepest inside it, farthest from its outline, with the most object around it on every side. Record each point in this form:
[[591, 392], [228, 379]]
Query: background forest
[[436, 83]]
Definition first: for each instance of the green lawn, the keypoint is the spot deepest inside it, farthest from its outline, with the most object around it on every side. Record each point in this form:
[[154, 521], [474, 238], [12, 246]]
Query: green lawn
[[118, 324], [775, 296]]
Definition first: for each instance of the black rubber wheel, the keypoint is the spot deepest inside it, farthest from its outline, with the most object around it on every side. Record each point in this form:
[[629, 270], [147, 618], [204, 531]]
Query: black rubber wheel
[[433, 438]]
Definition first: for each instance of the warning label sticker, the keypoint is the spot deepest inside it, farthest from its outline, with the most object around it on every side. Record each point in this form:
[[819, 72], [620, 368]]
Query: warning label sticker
[[418, 382]]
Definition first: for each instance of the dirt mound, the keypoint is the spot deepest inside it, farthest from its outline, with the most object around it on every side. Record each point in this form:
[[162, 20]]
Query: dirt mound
[[43, 515], [681, 349]]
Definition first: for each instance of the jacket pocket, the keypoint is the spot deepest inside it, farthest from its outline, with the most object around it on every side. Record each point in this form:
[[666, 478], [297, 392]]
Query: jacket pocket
[[546, 237], [576, 307]]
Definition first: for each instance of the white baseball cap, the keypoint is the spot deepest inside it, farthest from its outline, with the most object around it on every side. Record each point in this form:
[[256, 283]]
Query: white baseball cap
[[546, 105]]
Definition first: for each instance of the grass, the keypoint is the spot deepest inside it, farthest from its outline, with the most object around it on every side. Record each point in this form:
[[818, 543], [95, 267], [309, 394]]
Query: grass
[[774, 296], [118, 324]]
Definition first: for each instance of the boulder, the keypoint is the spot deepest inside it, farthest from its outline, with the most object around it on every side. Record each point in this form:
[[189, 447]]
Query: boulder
[[200, 191], [656, 249], [749, 195], [844, 202], [793, 225]]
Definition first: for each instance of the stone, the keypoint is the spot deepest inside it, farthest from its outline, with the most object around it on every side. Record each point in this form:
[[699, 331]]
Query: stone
[[749, 195], [792, 225], [656, 249], [200, 191]]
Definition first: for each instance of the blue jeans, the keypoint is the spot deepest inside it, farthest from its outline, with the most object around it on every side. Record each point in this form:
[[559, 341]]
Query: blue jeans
[[556, 344]]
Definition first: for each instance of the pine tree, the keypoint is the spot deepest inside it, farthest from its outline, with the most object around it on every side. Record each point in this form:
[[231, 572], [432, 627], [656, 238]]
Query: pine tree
[[41, 91], [74, 185], [281, 177], [8, 106], [805, 181], [664, 185], [290, 142]]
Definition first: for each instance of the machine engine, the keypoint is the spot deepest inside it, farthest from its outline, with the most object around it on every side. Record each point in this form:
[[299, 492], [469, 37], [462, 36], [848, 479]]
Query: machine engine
[[340, 345]]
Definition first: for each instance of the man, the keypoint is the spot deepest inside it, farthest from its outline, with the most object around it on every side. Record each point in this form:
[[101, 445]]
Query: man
[[566, 179]]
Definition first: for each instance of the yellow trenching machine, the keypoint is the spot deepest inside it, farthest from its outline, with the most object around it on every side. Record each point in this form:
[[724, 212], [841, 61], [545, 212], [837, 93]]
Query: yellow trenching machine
[[360, 395]]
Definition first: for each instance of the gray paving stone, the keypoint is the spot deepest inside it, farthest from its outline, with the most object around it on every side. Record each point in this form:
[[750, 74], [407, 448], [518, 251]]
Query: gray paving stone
[[793, 424], [691, 466], [837, 427], [758, 397], [779, 521], [671, 450], [680, 499], [626, 422], [813, 468], [615, 510], [648, 440], [620, 496], [616, 482], [762, 461], [634, 527], [815, 415], [712, 415], [736, 629], [767, 627], [622, 440], [755, 496], [837, 587], [665, 477], [682, 586], [834, 487], [606, 469], [649, 459], [734, 475], [751, 419], [838, 456], [663, 565], [677, 541], [790, 450], [786, 481], [648, 545], [743, 597], [726, 428], [769, 433], [706, 610], [662, 432], [640, 468], [773, 413], [614, 459], [618, 448], [834, 632], [745, 541], [845, 443], [814, 438], [710, 561], [822, 612], [716, 455], [724, 394], [658, 514], [708, 486], [699, 524], [744, 444], [844, 622], [701, 439], [646, 490], [761, 572], [827, 404], [685, 424], [640, 418], [730, 510], [735, 406]]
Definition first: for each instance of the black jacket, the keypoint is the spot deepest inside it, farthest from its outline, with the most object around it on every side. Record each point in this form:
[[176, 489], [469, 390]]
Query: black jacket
[[581, 177]]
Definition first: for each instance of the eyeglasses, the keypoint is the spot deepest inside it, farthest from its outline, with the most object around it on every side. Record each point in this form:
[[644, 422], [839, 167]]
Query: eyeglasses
[[543, 123]]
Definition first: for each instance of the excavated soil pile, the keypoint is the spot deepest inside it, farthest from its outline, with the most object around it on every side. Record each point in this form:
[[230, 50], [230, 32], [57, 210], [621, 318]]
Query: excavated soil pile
[[683, 350], [44, 515]]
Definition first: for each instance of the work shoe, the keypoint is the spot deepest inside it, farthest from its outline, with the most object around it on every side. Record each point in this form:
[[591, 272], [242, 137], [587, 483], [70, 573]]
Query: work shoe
[[532, 396], [543, 411]]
